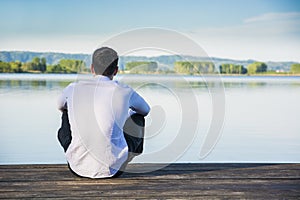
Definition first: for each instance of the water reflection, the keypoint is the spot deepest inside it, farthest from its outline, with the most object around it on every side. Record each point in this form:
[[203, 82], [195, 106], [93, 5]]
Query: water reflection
[[32, 84], [242, 85], [54, 81]]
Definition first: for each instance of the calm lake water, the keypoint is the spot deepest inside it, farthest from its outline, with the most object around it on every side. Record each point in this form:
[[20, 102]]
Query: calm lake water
[[260, 124]]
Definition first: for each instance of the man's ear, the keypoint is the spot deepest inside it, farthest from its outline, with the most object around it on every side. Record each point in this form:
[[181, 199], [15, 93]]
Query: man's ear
[[116, 71], [92, 69]]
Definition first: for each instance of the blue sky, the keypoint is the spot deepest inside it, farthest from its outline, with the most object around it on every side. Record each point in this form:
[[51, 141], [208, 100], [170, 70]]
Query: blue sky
[[239, 29]]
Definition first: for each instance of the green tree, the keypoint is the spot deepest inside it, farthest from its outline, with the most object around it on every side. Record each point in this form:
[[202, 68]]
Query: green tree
[[55, 69], [257, 67], [141, 67], [295, 68], [232, 69], [71, 66], [203, 67], [193, 67], [4, 67], [67, 66], [40, 65], [43, 65], [36, 61], [16, 66], [183, 67], [26, 67], [36, 65]]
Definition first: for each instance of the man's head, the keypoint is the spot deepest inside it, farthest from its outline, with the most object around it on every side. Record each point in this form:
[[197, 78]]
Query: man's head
[[105, 62]]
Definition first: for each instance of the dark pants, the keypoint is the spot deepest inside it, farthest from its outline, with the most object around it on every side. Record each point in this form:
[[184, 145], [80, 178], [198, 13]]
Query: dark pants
[[133, 133]]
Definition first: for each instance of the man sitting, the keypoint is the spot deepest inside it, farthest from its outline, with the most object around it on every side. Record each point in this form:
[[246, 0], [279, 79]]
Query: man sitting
[[102, 120]]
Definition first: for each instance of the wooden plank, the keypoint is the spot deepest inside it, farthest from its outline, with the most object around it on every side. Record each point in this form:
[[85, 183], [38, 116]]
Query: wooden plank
[[180, 181]]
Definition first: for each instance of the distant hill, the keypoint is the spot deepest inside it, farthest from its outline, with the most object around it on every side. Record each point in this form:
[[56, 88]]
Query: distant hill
[[163, 61], [52, 58]]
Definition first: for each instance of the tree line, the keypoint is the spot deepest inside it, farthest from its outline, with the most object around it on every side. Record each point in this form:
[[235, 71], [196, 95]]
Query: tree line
[[202, 67], [226, 68], [295, 68], [39, 65], [185, 67], [141, 67]]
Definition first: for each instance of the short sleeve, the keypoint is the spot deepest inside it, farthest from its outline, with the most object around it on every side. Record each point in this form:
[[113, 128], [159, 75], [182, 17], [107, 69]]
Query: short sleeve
[[138, 104], [62, 99]]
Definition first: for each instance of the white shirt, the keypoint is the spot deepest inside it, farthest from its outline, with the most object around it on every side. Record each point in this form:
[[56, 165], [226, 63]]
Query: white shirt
[[97, 110]]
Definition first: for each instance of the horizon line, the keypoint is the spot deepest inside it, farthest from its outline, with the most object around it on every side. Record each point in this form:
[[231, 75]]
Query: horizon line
[[211, 57]]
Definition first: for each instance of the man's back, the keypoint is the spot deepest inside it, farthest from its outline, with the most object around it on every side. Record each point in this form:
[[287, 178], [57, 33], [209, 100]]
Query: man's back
[[98, 110], [92, 124]]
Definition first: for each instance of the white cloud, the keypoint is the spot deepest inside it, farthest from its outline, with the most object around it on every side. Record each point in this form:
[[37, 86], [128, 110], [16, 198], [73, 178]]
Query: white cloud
[[267, 17]]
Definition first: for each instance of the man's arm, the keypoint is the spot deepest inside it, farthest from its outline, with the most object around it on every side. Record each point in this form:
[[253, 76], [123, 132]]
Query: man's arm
[[138, 104], [62, 102], [62, 99]]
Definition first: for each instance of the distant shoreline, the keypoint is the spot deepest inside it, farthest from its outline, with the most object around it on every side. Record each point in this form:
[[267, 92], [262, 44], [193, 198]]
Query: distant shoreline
[[168, 74]]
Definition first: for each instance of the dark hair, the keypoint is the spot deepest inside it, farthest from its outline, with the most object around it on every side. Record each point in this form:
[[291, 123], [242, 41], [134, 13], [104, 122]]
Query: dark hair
[[105, 61]]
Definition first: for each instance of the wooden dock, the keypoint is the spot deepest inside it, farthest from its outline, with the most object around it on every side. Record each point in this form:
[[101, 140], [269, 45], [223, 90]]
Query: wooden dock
[[176, 181]]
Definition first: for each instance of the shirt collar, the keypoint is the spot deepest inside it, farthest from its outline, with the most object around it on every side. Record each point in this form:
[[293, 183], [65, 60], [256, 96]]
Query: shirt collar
[[102, 78]]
